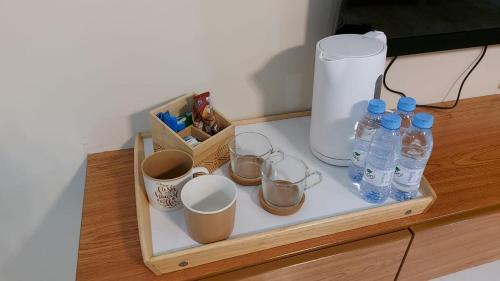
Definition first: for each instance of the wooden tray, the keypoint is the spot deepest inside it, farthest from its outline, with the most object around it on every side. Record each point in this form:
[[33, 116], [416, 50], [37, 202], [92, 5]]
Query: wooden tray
[[244, 243]]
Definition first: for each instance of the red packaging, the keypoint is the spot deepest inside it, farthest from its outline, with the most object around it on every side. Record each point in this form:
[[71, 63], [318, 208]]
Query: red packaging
[[203, 114]]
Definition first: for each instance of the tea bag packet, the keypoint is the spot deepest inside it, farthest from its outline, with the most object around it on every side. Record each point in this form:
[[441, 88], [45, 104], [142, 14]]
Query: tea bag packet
[[203, 114], [192, 141], [177, 124]]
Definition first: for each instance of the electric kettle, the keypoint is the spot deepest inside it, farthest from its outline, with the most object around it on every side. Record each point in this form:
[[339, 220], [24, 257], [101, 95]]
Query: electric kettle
[[348, 72]]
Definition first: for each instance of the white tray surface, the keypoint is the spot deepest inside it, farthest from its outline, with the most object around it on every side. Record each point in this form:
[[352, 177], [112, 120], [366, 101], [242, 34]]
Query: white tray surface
[[335, 195]]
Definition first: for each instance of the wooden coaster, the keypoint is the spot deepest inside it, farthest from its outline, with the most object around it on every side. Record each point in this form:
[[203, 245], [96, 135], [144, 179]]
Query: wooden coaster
[[279, 211], [243, 181]]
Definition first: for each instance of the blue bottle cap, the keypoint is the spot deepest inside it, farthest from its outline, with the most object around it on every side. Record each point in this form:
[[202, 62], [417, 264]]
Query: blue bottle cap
[[376, 106], [407, 104], [423, 120], [391, 121]]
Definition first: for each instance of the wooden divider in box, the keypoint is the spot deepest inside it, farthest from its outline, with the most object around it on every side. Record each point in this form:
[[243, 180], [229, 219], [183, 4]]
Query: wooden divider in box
[[196, 133], [212, 152]]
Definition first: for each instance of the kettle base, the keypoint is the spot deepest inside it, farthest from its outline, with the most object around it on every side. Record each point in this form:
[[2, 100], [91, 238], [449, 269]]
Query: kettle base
[[330, 160]]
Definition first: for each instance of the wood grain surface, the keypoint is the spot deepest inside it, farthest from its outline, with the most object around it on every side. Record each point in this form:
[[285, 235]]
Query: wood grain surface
[[376, 258], [450, 245], [464, 170]]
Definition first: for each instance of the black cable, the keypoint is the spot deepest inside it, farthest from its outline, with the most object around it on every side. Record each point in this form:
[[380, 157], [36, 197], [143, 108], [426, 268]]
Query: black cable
[[459, 90], [385, 75], [461, 85]]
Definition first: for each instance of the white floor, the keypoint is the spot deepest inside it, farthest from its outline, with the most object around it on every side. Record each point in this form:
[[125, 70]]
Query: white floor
[[485, 272]]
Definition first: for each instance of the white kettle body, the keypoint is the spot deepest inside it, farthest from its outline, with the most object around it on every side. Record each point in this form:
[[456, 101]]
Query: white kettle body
[[348, 73]]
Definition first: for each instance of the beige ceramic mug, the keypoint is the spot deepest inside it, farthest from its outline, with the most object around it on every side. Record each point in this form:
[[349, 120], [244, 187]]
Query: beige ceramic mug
[[210, 206], [165, 173]]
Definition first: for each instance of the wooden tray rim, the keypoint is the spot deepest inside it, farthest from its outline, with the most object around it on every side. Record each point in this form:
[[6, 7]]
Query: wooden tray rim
[[204, 254]]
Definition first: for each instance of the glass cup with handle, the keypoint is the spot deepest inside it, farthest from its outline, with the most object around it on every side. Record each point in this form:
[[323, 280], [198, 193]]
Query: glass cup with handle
[[248, 151], [285, 178]]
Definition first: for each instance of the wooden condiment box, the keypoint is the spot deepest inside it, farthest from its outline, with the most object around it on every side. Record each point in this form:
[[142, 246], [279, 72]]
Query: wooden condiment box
[[212, 152]]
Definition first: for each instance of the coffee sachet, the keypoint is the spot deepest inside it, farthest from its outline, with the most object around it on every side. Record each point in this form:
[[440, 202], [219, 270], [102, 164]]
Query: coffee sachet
[[203, 114]]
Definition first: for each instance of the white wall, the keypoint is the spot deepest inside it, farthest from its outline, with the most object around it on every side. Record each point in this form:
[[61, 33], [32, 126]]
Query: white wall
[[78, 77], [483, 272], [429, 77]]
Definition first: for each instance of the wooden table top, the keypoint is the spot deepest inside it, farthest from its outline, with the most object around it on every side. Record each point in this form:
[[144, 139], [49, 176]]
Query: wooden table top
[[464, 170]]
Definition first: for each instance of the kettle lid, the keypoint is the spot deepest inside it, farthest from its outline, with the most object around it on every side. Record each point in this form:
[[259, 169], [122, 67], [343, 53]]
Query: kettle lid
[[350, 46]]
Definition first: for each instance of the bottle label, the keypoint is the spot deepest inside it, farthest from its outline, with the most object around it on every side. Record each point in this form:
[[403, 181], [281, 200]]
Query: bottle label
[[407, 176], [358, 158], [377, 177]]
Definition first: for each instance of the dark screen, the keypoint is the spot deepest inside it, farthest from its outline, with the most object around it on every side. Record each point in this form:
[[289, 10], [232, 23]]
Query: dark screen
[[424, 26]]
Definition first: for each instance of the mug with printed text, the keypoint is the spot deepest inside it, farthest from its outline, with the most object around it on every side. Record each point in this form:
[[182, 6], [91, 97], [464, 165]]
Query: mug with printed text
[[165, 173]]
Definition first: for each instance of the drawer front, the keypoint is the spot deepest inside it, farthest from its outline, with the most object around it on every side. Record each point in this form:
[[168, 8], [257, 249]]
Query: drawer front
[[443, 247], [376, 258]]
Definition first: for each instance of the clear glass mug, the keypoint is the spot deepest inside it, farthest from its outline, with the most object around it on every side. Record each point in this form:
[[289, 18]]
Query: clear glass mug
[[285, 178], [247, 152]]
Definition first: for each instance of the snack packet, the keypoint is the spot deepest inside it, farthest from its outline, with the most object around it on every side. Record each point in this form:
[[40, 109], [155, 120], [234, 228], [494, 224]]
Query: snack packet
[[203, 114]]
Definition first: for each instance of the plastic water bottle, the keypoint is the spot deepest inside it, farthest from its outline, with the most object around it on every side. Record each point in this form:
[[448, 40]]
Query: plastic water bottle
[[406, 106], [364, 133], [381, 160], [416, 149]]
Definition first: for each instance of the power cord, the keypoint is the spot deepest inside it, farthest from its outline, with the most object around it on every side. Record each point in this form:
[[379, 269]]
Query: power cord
[[460, 77], [478, 60], [385, 75]]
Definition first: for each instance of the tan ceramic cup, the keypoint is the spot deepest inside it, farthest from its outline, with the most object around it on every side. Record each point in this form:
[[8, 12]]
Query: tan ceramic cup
[[165, 173], [210, 206]]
